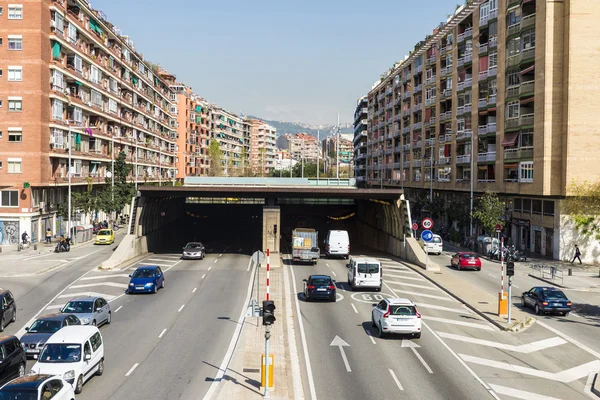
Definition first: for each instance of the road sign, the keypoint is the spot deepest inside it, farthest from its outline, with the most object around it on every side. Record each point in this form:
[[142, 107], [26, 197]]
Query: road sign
[[427, 223], [498, 228], [415, 226], [258, 257], [427, 236]]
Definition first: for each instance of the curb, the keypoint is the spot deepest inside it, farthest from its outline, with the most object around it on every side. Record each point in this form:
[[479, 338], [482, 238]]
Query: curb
[[124, 265], [548, 281], [41, 272], [596, 390]]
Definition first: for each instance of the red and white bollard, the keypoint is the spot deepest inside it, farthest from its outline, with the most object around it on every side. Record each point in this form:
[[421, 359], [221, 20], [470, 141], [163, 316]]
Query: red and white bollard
[[268, 269]]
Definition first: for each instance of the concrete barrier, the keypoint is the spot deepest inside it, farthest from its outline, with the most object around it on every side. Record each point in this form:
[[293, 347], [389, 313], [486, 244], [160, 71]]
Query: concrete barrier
[[130, 247]]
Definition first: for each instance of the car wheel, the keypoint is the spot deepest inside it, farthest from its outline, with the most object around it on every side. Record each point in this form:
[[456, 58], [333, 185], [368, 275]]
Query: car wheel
[[478, 269], [79, 385], [333, 300], [523, 303], [417, 335], [109, 318], [373, 322], [162, 285], [100, 368], [380, 333], [566, 313], [14, 318], [21, 370], [154, 290], [537, 309], [94, 323]]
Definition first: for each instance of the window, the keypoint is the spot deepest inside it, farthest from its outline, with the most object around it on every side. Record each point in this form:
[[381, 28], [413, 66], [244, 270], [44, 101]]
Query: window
[[57, 80], [517, 207], [9, 198], [493, 5], [15, 42], [96, 341], [513, 47], [57, 109], [15, 73], [0, 10], [15, 105], [548, 207], [77, 114], [57, 138], [493, 29], [72, 33], [492, 88], [58, 23], [15, 134], [113, 85], [86, 349], [513, 78], [492, 59], [513, 17], [526, 172], [78, 63], [95, 74], [96, 97], [536, 207], [526, 138], [460, 124], [76, 167], [512, 109], [15, 11], [14, 166], [112, 106], [528, 40]]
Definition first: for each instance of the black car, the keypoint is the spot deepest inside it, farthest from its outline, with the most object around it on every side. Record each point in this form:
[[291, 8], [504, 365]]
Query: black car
[[545, 299], [40, 331], [8, 308], [320, 287], [12, 359]]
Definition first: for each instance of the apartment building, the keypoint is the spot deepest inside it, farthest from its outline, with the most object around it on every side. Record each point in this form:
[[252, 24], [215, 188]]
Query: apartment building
[[233, 138], [530, 133], [262, 147], [360, 139], [299, 146], [71, 79], [345, 149]]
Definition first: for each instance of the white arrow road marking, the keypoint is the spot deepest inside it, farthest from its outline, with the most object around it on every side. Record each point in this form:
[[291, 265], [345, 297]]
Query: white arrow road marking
[[107, 297], [395, 378], [430, 296], [428, 287], [113, 284], [413, 347], [566, 376], [524, 348], [519, 394], [442, 308], [461, 323], [339, 342], [89, 278]]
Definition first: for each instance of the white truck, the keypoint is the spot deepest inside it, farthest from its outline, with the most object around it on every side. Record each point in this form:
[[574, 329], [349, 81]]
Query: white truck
[[305, 246]]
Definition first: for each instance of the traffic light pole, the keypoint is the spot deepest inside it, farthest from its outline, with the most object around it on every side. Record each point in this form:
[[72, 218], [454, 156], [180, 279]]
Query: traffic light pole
[[267, 337], [509, 297]]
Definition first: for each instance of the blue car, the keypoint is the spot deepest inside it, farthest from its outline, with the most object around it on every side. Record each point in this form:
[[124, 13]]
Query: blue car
[[146, 279], [544, 299]]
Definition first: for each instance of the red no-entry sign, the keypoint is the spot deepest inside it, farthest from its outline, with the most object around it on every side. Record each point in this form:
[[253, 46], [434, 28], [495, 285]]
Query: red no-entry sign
[[415, 226]]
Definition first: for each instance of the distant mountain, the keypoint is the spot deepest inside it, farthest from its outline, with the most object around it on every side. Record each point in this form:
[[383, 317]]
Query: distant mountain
[[298, 127]]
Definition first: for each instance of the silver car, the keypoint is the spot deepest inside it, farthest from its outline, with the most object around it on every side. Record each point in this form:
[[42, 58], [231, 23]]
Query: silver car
[[193, 250], [89, 309], [40, 331]]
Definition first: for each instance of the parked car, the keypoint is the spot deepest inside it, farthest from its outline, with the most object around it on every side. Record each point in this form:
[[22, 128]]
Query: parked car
[[194, 250], [464, 260], [105, 236], [37, 387], [75, 353], [545, 299], [146, 279], [8, 308], [40, 331], [90, 310], [396, 315], [319, 287], [365, 273], [337, 244], [14, 362]]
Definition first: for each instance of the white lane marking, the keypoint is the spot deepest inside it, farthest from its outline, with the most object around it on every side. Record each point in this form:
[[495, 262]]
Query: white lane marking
[[327, 265], [520, 394], [203, 276], [395, 378], [132, 369], [107, 276], [209, 268], [115, 298], [485, 385], [413, 346], [214, 262], [461, 323], [117, 310], [575, 315], [94, 294], [588, 385], [149, 264], [569, 339], [229, 353], [159, 259], [340, 343], [54, 307], [194, 291], [249, 265], [414, 285], [181, 308], [515, 286], [442, 308], [162, 333], [311, 382], [396, 267], [220, 255], [493, 276], [410, 278], [354, 308], [524, 348], [294, 358], [430, 296], [370, 336], [333, 272], [112, 284], [565, 376]]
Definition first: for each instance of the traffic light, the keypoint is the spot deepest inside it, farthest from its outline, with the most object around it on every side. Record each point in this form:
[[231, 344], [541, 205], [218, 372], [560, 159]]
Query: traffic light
[[268, 312], [510, 268], [275, 229]]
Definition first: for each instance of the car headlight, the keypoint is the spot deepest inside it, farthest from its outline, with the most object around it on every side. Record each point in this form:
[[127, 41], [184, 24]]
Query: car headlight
[[131, 284], [69, 374], [150, 284], [33, 372], [85, 320]]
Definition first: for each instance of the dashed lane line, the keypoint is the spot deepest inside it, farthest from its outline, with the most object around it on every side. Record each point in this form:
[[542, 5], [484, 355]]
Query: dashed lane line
[[132, 369], [162, 333]]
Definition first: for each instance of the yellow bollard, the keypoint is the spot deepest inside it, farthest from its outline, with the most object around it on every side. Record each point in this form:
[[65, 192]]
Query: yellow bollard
[[262, 371], [502, 303]]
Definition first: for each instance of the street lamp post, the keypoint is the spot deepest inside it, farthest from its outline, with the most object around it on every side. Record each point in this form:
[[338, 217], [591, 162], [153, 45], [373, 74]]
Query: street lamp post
[[70, 173], [337, 149]]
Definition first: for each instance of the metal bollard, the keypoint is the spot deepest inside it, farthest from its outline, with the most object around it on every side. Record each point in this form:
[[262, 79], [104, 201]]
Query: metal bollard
[[35, 246], [570, 272]]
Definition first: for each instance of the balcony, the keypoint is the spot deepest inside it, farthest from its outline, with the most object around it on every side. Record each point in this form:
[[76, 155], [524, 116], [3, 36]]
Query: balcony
[[396, 165], [418, 88], [528, 21], [514, 29], [511, 123], [428, 162], [445, 138], [467, 109], [464, 134], [482, 103], [460, 86], [445, 116], [482, 130], [483, 75], [521, 153], [389, 106], [491, 127], [449, 47], [405, 130], [512, 91], [398, 149], [483, 20], [466, 34], [463, 159], [492, 71], [468, 57], [389, 151], [527, 88], [431, 101], [417, 125], [528, 54], [492, 100], [429, 142], [431, 60], [417, 107], [406, 164], [416, 163], [397, 132], [418, 70], [430, 80], [493, 14], [447, 93], [460, 110], [444, 161], [461, 61], [490, 156], [406, 113], [493, 42], [525, 120], [397, 117], [447, 70], [406, 95], [417, 145]]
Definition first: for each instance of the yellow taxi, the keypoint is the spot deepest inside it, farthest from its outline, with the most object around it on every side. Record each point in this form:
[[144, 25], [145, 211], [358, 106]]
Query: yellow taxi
[[105, 236]]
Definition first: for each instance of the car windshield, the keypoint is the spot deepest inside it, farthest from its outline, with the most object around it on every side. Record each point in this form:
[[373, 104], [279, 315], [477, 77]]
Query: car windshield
[[78, 307], [45, 326], [469, 255], [60, 353], [403, 310], [368, 268], [436, 240], [104, 232], [143, 273], [193, 246], [18, 394], [554, 294], [321, 281]]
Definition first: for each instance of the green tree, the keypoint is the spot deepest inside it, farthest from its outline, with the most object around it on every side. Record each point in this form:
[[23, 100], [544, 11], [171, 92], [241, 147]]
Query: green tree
[[582, 205], [245, 163], [114, 198], [488, 211], [85, 201], [215, 156]]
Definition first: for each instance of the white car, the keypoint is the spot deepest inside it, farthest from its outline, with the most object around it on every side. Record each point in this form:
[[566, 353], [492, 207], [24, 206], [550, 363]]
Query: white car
[[435, 246], [75, 353], [38, 387], [364, 273], [398, 316], [337, 244]]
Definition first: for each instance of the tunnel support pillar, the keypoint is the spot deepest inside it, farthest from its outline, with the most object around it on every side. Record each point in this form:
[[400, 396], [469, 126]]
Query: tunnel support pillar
[[271, 229]]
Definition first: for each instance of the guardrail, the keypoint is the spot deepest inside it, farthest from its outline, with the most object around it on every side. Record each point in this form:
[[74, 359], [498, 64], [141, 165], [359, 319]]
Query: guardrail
[[549, 272]]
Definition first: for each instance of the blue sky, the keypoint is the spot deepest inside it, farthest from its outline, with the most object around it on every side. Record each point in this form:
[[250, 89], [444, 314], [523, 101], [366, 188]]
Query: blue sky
[[302, 61]]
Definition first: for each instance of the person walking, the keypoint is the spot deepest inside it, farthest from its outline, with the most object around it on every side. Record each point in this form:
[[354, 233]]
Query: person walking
[[577, 255], [48, 236]]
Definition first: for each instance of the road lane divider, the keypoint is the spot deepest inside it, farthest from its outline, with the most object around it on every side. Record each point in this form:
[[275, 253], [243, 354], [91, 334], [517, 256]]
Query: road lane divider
[[194, 291], [132, 369], [429, 296], [526, 348], [117, 310], [181, 308], [203, 276], [333, 272], [209, 268], [442, 308], [414, 285], [354, 308], [368, 332], [413, 346], [475, 325], [162, 333], [396, 380]]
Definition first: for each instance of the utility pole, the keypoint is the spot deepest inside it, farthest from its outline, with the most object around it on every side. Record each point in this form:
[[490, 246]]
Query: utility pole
[[318, 153], [431, 175], [337, 149], [302, 157], [69, 234], [471, 198]]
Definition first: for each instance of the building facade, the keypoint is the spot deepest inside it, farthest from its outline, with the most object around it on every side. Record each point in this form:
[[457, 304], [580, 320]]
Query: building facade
[[71, 79], [234, 140], [262, 147], [300, 146], [360, 140], [531, 131]]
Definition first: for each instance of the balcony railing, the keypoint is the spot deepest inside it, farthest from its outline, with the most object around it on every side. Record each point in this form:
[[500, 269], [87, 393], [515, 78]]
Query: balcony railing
[[460, 86], [492, 71], [445, 116], [447, 93], [396, 165], [463, 159], [526, 119], [514, 29], [491, 127], [417, 107], [429, 142], [397, 149], [467, 109], [511, 123], [527, 88], [406, 113], [417, 145], [468, 57], [406, 95], [444, 161], [486, 157], [512, 91], [492, 100], [460, 110], [464, 134], [493, 42], [519, 153], [430, 101], [405, 130], [483, 75], [482, 130], [493, 14], [468, 82], [417, 125], [528, 21], [461, 61], [406, 164], [430, 81], [449, 47], [416, 163], [445, 138], [406, 148], [483, 20], [466, 34], [389, 151], [418, 70], [428, 162], [418, 88], [482, 103], [528, 54]]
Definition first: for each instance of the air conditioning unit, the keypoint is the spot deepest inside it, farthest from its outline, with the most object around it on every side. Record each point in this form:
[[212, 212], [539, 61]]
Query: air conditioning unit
[[42, 204], [53, 24]]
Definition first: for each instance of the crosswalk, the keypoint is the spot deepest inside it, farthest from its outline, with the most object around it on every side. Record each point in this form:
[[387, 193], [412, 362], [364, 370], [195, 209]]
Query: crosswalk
[[509, 362]]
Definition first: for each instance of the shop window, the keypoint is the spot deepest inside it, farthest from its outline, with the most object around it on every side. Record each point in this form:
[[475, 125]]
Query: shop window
[[537, 207], [526, 206], [518, 205], [548, 207]]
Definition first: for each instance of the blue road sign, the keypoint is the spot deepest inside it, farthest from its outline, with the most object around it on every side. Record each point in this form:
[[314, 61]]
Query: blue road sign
[[427, 236]]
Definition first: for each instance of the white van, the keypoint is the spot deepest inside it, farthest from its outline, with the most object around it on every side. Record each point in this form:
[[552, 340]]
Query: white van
[[337, 244], [75, 353], [364, 273], [435, 246]]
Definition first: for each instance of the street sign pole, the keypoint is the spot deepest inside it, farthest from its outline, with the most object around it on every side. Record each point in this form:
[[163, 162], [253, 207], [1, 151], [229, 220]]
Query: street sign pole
[[267, 337]]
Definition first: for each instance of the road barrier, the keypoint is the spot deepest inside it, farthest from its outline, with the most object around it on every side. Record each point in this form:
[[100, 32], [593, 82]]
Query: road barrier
[[549, 272]]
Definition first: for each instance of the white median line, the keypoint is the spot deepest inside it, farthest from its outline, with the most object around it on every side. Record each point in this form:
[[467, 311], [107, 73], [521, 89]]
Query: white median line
[[523, 348], [461, 323], [220, 255], [209, 268], [333, 272], [493, 276], [442, 308], [112, 284], [520, 394], [132, 369], [354, 308], [181, 308], [214, 262], [162, 333], [194, 291], [203, 276], [327, 265], [395, 378], [368, 331], [117, 310]]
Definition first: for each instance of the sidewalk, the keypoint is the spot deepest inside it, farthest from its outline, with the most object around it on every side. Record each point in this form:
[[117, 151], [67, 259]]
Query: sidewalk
[[243, 375]]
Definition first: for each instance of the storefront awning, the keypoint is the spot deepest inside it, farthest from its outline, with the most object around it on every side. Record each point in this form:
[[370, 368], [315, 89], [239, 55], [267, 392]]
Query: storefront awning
[[510, 139], [511, 166]]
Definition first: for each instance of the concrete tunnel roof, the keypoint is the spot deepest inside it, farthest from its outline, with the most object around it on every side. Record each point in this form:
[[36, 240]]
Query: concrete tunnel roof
[[340, 192]]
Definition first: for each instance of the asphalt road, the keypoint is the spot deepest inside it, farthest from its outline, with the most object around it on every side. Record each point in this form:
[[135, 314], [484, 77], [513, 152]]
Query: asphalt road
[[468, 357]]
